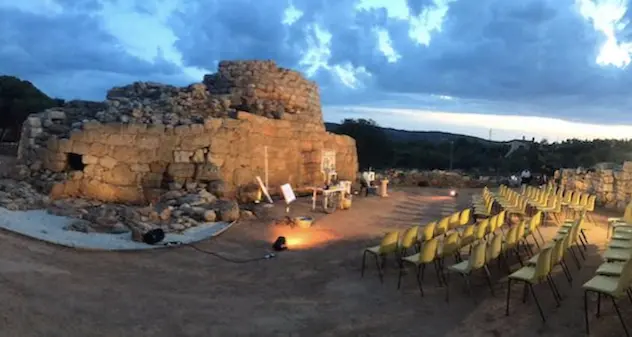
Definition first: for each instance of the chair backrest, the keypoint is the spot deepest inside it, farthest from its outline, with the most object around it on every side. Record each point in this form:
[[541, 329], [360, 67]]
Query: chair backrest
[[566, 242], [389, 243], [477, 259], [410, 237], [454, 218], [543, 264], [444, 224], [429, 250], [626, 278], [574, 231], [466, 215], [590, 203], [537, 218], [494, 247], [501, 218], [492, 224], [512, 236], [427, 232], [558, 250], [533, 223], [568, 195], [583, 200], [520, 230], [481, 229], [451, 243], [576, 197], [468, 231], [627, 213]]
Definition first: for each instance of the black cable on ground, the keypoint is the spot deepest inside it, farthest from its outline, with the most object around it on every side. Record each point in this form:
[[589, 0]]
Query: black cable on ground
[[220, 256]]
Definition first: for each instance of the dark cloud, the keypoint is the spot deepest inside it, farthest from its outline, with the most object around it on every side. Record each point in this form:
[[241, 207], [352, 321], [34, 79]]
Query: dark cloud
[[497, 56], [68, 46]]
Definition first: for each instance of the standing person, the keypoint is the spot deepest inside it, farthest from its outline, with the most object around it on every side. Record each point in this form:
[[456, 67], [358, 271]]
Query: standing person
[[525, 177]]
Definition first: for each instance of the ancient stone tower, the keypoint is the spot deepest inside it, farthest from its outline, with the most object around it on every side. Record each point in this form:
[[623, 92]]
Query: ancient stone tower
[[147, 137]]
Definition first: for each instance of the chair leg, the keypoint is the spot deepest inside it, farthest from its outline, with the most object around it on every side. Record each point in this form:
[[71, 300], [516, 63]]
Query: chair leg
[[574, 257], [399, 277], [580, 252], [363, 263], [439, 272], [540, 233], [488, 276], [517, 252], [598, 305], [553, 286], [616, 307], [586, 319], [419, 277], [508, 296], [535, 240], [567, 272], [629, 292], [447, 286], [583, 234], [535, 298], [582, 242], [379, 268]]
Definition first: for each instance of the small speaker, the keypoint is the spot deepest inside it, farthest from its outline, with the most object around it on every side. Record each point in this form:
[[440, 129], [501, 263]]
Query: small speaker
[[154, 236], [280, 244]]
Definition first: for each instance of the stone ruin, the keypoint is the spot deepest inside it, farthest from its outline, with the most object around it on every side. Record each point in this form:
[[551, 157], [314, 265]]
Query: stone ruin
[[149, 140]]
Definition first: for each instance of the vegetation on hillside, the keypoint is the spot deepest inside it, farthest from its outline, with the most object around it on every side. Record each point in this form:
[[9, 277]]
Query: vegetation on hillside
[[377, 150], [18, 99]]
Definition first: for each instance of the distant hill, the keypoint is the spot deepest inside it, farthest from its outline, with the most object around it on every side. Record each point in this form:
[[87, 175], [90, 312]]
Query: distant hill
[[429, 136]]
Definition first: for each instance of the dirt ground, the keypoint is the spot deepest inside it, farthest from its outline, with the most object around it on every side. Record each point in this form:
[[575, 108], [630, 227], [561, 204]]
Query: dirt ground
[[314, 289]]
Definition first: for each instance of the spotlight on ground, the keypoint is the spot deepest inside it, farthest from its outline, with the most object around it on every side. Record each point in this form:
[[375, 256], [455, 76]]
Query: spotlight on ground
[[280, 244], [454, 193]]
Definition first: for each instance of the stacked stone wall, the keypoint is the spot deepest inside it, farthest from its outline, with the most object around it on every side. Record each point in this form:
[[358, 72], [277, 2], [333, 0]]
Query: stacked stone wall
[[613, 187]]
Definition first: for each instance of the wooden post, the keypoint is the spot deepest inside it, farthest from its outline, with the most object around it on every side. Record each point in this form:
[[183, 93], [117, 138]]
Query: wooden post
[[265, 167]]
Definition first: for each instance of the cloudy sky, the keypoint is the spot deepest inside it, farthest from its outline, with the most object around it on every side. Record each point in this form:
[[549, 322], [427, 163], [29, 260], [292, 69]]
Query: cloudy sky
[[552, 69]]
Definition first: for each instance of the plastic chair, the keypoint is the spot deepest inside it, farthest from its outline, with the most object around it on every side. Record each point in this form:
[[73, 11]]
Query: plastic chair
[[476, 261], [451, 246], [389, 245], [465, 217], [510, 243], [428, 254], [427, 232], [532, 275], [443, 226], [409, 240], [614, 287], [557, 257]]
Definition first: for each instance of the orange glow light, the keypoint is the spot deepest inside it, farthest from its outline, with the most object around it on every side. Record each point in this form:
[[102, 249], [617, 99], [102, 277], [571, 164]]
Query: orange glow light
[[303, 238]]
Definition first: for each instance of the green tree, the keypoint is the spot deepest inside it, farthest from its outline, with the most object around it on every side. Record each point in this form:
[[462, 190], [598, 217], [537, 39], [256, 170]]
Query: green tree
[[375, 149], [18, 99]]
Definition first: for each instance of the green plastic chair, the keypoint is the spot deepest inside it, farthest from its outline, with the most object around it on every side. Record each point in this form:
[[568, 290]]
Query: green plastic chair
[[389, 245], [475, 262], [531, 275], [614, 287], [427, 255]]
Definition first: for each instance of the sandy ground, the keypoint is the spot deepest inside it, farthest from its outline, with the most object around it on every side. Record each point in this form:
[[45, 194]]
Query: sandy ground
[[313, 290]]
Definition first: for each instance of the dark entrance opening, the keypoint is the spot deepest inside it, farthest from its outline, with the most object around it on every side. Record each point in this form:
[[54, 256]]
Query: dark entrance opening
[[75, 162]]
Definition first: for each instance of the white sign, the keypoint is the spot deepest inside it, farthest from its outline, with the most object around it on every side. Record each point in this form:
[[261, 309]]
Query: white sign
[[288, 193], [328, 161], [264, 189]]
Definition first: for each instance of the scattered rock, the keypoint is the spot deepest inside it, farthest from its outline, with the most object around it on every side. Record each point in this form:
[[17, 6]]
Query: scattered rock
[[227, 210]]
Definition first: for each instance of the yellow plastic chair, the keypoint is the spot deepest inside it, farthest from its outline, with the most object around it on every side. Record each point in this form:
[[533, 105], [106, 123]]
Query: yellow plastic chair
[[531, 228], [389, 245], [590, 208], [475, 262], [557, 257], [465, 217], [454, 220], [494, 250], [467, 235], [625, 222], [614, 287], [409, 240], [451, 247], [510, 244], [532, 275], [554, 211], [428, 254], [574, 233], [566, 227], [427, 232], [617, 254], [443, 226]]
